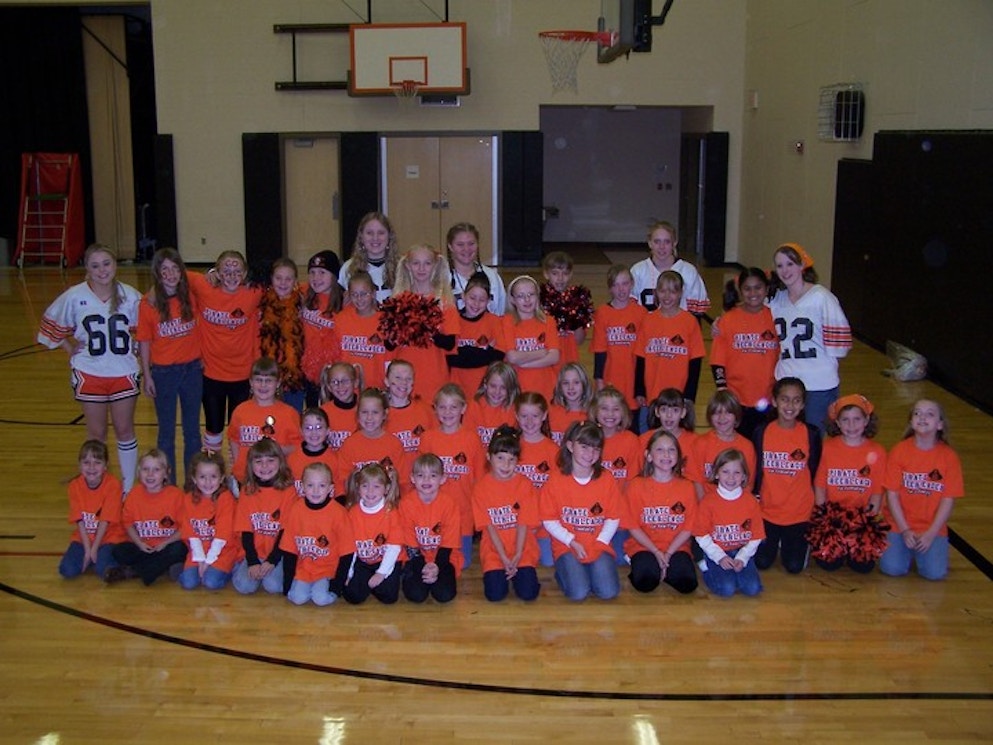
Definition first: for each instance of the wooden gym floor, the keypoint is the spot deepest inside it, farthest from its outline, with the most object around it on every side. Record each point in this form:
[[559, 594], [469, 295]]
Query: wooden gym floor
[[818, 658]]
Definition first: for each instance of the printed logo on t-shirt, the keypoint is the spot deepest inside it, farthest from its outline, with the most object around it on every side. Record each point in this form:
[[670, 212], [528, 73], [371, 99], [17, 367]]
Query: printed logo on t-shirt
[[849, 479], [503, 517], [663, 517], [663, 346], [924, 484], [784, 463]]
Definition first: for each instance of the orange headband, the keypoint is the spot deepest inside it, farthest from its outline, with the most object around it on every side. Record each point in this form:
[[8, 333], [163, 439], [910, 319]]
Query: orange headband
[[806, 262], [852, 399]]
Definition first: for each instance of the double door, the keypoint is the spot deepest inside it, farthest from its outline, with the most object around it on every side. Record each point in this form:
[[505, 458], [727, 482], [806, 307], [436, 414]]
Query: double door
[[431, 183]]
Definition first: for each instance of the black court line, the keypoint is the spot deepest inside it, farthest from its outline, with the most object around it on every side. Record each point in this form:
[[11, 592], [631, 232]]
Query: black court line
[[971, 553], [487, 688], [17, 537], [22, 352]]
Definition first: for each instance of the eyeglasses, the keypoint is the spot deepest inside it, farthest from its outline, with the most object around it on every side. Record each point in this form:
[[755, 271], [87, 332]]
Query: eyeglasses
[[353, 293], [525, 296], [313, 427], [341, 381]]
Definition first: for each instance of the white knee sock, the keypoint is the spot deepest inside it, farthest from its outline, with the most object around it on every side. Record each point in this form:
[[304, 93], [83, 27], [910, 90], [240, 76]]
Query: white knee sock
[[127, 455]]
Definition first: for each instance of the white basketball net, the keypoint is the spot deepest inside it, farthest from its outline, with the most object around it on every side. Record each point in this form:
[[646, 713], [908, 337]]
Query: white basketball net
[[406, 92], [563, 50]]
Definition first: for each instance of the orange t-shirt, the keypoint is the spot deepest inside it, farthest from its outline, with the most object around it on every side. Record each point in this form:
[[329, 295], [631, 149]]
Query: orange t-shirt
[[787, 484], [428, 527], [662, 510], [528, 336], [210, 520], [248, 425], [559, 419], [341, 422], [505, 505], [480, 332], [582, 509], [93, 506], [300, 459], [262, 514], [668, 345], [921, 479], [747, 346], [360, 344], [615, 332], [372, 533], [358, 449], [538, 461], [850, 475], [319, 538], [430, 362], [320, 335], [171, 342], [483, 419], [229, 328], [730, 523], [154, 517], [464, 464], [706, 447], [623, 456], [409, 422]]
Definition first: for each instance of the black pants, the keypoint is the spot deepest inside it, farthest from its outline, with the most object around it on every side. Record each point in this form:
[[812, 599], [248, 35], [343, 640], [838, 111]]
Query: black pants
[[646, 574], [417, 591], [358, 591], [150, 566], [219, 399], [792, 539]]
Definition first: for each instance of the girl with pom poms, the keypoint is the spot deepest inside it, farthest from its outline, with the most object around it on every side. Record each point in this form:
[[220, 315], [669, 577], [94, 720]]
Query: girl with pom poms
[[848, 489], [281, 335], [419, 321]]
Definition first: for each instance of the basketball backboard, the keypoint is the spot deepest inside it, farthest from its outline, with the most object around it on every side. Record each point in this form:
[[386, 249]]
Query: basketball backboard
[[429, 56], [630, 24]]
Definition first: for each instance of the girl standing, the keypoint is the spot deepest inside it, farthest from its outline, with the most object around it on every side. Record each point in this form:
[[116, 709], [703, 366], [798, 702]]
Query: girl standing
[[729, 529], [662, 242], [532, 339], [317, 542], [724, 415], [375, 251], [460, 454], [812, 328], [169, 344], [314, 446], [580, 508], [670, 350], [479, 341], [789, 452], [923, 480], [359, 341], [570, 401], [208, 525], [373, 513], [93, 322], [371, 443], [151, 519], [538, 455], [321, 301], [615, 331], [848, 489], [505, 506], [659, 513], [281, 334], [263, 505], [339, 397], [745, 348], [463, 261], [493, 404], [95, 511], [423, 271], [229, 337]]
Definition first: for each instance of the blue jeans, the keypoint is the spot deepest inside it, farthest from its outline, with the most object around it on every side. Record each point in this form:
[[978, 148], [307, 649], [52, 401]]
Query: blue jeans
[[545, 556], [243, 583], [725, 582], [816, 407], [71, 565], [577, 579], [213, 579], [931, 564], [318, 592], [185, 382]]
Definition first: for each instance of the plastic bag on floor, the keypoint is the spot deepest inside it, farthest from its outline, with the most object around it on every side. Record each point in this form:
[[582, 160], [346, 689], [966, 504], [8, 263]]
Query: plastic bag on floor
[[908, 365]]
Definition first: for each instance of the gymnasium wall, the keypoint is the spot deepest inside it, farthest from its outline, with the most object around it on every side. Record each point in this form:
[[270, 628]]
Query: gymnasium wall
[[924, 65]]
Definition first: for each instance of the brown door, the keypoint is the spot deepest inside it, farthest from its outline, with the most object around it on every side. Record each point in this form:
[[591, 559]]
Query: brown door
[[311, 188]]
